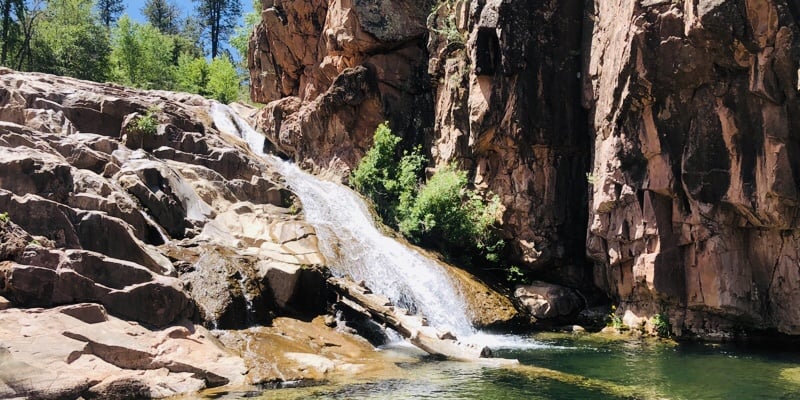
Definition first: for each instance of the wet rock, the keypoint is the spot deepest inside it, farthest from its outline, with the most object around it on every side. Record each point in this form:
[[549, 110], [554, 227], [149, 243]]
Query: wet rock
[[227, 289], [546, 300], [487, 307]]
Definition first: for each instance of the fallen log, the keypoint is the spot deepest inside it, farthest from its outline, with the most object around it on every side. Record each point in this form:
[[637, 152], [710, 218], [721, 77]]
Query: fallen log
[[412, 327]]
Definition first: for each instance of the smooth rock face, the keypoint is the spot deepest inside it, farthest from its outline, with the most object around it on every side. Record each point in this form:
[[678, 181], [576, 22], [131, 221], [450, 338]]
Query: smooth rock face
[[73, 351], [694, 202]]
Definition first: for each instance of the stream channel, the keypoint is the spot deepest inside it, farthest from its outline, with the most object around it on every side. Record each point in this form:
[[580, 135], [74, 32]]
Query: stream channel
[[552, 366]]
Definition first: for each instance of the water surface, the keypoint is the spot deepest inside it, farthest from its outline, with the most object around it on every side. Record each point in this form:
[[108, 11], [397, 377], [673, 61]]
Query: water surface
[[556, 366]]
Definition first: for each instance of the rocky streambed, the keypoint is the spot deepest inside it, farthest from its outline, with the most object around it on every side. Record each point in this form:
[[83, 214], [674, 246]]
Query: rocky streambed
[[141, 262]]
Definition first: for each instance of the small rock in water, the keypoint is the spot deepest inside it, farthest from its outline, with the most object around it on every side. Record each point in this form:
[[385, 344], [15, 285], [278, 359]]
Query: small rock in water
[[446, 335], [573, 329], [363, 284], [424, 321], [609, 329]]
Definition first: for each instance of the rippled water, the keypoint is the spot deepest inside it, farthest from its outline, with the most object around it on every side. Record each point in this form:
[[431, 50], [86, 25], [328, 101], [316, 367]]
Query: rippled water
[[589, 367]]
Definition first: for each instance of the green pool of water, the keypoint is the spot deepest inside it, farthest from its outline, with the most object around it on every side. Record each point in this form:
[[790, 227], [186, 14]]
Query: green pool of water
[[586, 367]]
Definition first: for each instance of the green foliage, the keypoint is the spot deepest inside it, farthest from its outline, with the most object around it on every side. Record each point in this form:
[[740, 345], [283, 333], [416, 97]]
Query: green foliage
[[591, 178], [444, 23], [219, 17], [11, 32], [241, 36], [192, 74], [147, 124], [142, 56], [661, 325], [163, 15], [613, 320], [514, 275], [444, 212], [223, 81], [109, 11], [70, 40], [218, 79], [4, 217], [376, 174]]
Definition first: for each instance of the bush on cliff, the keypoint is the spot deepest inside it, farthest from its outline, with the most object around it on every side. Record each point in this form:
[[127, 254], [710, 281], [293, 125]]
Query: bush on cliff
[[444, 212]]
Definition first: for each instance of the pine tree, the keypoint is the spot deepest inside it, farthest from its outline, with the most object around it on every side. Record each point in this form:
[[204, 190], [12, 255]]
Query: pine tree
[[219, 17], [110, 10], [9, 26], [163, 15]]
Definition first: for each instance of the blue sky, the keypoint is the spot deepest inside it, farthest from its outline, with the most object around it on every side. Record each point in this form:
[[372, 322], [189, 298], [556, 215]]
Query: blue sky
[[134, 8], [186, 7]]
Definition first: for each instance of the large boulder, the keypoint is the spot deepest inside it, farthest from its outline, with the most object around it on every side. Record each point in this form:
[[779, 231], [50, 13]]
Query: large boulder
[[79, 351], [43, 278], [547, 301]]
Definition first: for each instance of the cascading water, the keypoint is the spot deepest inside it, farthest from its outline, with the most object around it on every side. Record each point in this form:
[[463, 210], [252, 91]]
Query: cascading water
[[355, 247]]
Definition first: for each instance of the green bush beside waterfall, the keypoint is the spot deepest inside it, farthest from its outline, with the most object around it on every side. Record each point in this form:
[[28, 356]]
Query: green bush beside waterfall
[[442, 212]]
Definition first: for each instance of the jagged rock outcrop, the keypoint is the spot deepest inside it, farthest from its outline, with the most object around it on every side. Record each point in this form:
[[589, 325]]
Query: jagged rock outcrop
[[547, 301], [508, 109], [331, 71], [694, 200], [154, 227], [506, 101]]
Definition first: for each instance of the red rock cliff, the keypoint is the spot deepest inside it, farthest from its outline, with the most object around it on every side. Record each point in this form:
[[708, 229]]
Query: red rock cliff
[[694, 202], [684, 114]]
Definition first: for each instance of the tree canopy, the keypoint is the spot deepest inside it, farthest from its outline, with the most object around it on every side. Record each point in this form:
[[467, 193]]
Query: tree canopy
[[110, 10], [94, 40], [219, 17], [163, 15]]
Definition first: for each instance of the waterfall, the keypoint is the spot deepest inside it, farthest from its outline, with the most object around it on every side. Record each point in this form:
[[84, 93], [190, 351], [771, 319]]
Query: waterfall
[[353, 244]]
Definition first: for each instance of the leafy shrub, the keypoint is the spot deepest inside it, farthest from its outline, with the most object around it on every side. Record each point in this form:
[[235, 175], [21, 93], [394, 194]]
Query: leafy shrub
[[147, 124], [661, 325], [223, 81], [218, 79], [4, 217], [446, 210], [443, 212], [514, 275], [192, 74], [377, 174], [142, 56], [613, 320]]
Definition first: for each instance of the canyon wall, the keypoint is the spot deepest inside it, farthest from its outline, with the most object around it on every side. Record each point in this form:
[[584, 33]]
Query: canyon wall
[[331, 71], [694, 198], [495, 88], [648, 148]]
